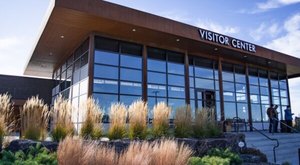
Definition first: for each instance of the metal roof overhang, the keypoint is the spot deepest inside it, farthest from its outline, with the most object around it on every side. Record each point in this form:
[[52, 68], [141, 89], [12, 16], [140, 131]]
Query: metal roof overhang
[[76, 19]]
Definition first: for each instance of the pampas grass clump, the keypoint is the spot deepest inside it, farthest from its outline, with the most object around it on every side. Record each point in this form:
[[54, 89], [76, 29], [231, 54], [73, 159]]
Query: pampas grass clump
[[138, 119], [6, 110], [34, 119], [61, 115], [118, 115], [79, 152], [161, 113], [92, 125], [161, 152], [205, 123], [183, 122]]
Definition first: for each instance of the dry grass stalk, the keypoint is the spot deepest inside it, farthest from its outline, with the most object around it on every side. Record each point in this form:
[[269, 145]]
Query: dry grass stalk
[[169, 152], [118, 115], [62, 119], [7, 121], [183, 122], [206, 123], [92, 125], [161, 113], [138, 112], [137, 153], [79, 152], [34, 119]]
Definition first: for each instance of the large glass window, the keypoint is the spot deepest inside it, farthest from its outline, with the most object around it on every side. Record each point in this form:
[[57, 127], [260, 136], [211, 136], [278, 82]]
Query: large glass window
[[117, 72]]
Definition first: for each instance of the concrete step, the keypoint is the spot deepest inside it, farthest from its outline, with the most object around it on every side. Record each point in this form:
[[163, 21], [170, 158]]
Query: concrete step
[[287, 150]]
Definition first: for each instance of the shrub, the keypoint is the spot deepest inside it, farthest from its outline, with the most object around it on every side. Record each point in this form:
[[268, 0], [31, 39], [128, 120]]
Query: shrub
[[161, 113], [205, 123], [78, 152], [138, 120], [61, 115], [118, 114], [209, 160], [92, 125], [234, 158], [35, 155], [34, 119], [253, 151], [183, 122], [6, 110]]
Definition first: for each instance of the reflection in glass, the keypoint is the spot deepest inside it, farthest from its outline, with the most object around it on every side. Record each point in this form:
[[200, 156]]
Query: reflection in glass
[[105, 100], [229, 96], [204, 72], [265, 99], [156, 65], [253, 80], [131, 75], [204, 83], [176, 92], [264, 90], [241, 88], [241, 78], [256, 112], [254, 98], [158, 78], [242, 110], [174, 104], [227, 76], [108, 58], [131, 61], [228, 86], [106, 86], [230, 110], [157, 90], [130, 88], [241, 97], [175, 68], [102, 71], [128, 100], [175, 80], [254, 89], [263, 82]]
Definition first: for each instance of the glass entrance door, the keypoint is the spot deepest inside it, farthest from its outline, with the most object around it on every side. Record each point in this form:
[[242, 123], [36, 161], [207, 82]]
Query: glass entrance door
[[205, 99]]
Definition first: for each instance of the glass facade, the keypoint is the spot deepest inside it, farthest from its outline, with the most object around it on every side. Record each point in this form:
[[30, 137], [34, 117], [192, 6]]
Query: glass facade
[[117, 72], [118, 77], [72, 80]]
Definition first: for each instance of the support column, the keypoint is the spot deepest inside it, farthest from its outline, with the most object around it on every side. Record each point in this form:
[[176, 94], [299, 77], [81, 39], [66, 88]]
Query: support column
[[144, 74], [91, 63], [288, 90], [248, 97], [186, 76], [221, 90]]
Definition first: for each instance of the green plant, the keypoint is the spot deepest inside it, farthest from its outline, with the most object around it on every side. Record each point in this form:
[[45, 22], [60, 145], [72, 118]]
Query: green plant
[[35, 155], [161, 113], [205, 124], [183, 122], [227, 153], [214, 160], [138, 120], [118, 114], [61, 115], [92, 125], [34, 119]]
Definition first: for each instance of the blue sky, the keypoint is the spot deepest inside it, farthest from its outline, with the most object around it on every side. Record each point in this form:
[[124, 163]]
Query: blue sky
[[271, 23]]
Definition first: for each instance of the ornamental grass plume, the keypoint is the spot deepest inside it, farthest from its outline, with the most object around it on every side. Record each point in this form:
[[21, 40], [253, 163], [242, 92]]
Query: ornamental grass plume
[[62, 119], [79, 152], [161, 113], [170, 152], [183, 122], [92, 123], [118, 115], [137, 112], [34, 119], [206, 124], [7, 121]]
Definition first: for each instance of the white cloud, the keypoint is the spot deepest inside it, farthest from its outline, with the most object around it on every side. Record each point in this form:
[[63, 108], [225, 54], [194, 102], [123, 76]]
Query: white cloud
[[175, 15], [223, 29], [265, 30], [289, 44], [272, 4]]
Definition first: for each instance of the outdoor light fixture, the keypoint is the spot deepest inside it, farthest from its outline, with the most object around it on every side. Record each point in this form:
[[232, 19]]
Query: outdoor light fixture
[[216, 49], [62, 36], [50, 54], [245, 56], [177, 40], [134, 30], [269, 62]]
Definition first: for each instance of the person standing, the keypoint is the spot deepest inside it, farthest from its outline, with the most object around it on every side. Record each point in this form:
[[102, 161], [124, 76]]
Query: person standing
[[288, 117], [270, 112]]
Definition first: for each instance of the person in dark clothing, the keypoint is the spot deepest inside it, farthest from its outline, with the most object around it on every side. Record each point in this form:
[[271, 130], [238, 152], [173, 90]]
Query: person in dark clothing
[[270, 112], [288, 117]]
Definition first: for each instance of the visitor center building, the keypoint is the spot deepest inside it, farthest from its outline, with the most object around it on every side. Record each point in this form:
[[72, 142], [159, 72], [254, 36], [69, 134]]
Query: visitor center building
[[118, 54]]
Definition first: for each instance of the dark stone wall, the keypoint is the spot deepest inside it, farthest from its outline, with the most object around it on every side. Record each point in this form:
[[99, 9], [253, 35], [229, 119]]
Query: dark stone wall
[[22, 88]]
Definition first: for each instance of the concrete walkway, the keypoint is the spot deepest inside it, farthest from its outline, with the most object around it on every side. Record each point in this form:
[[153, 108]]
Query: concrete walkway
[[289, 143]]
